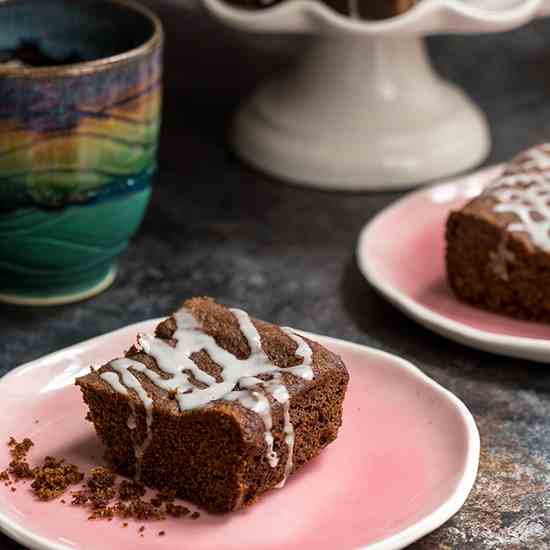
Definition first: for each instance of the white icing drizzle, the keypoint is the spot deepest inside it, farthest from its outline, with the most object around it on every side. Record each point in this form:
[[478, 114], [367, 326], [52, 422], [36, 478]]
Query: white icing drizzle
[[237, 381], [536, 158], [280, 393], [539, 158], [530, 205], [129, 381], [259, 403], [303, 350], [114, 381], [524, 191], [249, 331]]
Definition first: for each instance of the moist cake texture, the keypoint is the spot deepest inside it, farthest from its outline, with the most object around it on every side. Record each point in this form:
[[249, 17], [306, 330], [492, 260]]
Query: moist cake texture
[[217, 407], [498, 245]]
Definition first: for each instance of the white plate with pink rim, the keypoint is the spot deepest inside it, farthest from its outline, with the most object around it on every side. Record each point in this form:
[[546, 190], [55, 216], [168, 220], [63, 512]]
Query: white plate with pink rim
[[408, 269], [405, 460]]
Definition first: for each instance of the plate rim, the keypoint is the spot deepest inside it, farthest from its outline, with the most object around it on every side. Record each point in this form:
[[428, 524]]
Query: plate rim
[[522, 347], [398, 540]]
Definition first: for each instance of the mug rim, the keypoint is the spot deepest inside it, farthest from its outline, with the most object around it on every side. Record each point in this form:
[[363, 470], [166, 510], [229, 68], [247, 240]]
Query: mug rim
[[152, 43]]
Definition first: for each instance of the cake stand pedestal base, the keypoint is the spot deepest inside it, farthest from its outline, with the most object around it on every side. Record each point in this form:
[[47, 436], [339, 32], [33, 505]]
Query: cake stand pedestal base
[[361, 113]]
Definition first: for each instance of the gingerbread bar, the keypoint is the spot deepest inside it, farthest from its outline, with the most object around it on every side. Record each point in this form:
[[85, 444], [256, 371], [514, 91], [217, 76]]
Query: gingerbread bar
[[216, 406], [498, 245]]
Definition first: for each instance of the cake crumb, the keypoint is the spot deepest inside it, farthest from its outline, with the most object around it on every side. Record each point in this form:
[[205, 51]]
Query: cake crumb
[[102, 513], [100, 487], [129, 489], [140, 509], [80, 498], [101, 497], [99, 491], [20, 469], [176, 510], [100, 478], [53, 478], [19, 449]]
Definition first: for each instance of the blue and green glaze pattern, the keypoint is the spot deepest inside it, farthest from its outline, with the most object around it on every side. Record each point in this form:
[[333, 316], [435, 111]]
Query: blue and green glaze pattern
[[77, 152]]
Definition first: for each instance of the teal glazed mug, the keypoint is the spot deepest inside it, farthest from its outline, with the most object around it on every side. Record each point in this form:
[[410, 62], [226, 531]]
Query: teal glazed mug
[[80, 99]]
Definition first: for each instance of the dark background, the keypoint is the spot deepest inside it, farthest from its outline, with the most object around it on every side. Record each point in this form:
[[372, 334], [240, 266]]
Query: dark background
[[286, 254]]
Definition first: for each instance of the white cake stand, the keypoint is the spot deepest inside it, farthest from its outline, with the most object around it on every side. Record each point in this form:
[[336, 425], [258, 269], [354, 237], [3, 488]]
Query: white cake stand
[[362, 109]]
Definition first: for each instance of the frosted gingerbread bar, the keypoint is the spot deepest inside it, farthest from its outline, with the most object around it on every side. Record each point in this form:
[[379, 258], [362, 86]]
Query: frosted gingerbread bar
[[498, 245], [216, 406]]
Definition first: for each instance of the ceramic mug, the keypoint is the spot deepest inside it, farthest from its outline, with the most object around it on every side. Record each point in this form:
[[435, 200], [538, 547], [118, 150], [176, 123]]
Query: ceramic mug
[[80, 95]]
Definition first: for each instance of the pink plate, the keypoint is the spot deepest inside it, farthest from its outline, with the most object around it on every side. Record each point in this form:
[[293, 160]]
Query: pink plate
[[401, 253], [404, 462]]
